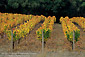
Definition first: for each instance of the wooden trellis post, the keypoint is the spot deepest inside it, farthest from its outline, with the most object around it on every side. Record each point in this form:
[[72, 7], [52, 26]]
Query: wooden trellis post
[[12, 40], [73, 40], [42, 42]]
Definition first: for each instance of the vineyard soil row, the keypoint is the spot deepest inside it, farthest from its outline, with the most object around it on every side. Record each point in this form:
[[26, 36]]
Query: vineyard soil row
[[56, 42]]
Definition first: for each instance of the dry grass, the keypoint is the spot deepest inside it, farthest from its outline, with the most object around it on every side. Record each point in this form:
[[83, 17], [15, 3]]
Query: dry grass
[[57, 42]]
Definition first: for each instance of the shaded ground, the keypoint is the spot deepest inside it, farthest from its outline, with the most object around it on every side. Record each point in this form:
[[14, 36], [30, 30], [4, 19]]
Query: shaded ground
[[57, 42]]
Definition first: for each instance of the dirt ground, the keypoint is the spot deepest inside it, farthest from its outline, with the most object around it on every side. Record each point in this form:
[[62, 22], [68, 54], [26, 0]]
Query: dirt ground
[[57, 42]]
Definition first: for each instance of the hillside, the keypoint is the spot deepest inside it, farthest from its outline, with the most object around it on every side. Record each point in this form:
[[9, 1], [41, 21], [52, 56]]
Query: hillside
[[57, 42]]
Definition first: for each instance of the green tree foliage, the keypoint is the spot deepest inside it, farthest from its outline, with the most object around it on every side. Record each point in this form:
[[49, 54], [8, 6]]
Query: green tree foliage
[[46, 7]]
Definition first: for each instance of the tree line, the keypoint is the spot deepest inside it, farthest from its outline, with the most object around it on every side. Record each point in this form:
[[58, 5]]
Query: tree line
[[57, 8]]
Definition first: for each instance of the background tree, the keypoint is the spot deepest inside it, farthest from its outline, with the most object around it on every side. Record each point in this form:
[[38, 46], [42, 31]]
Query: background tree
[[46, 7]]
